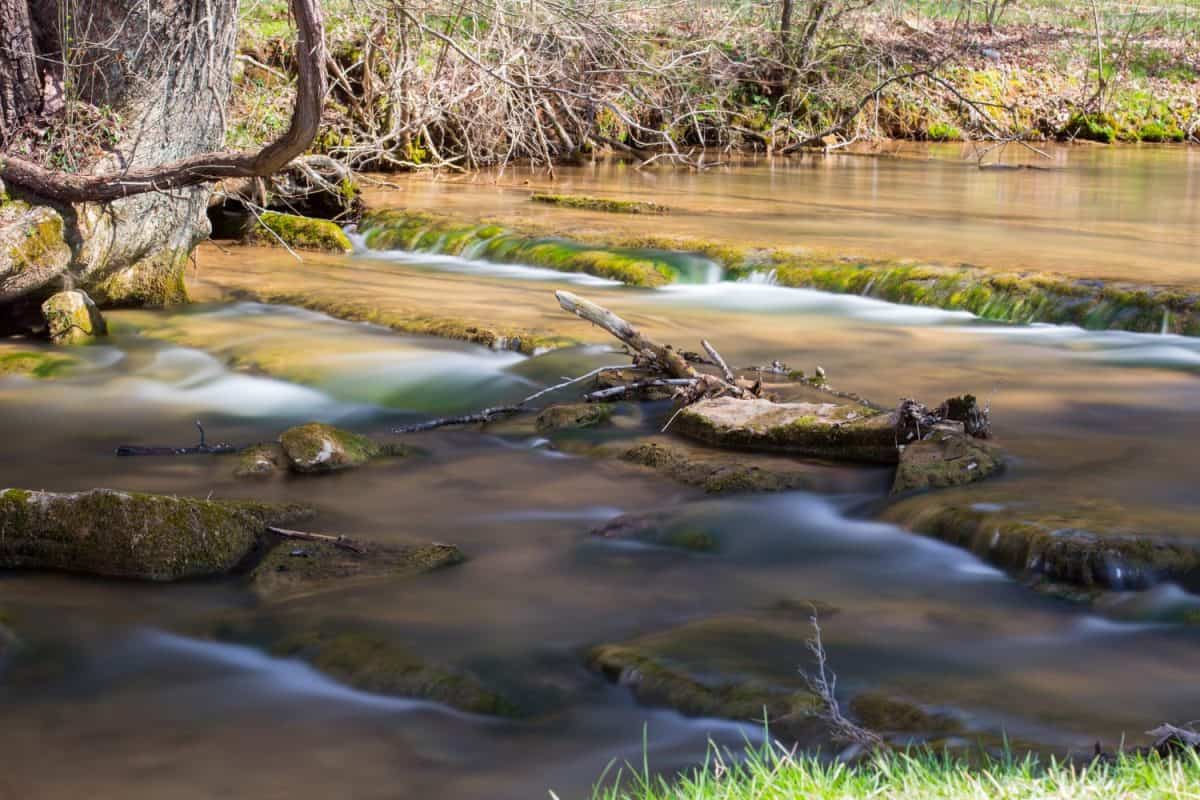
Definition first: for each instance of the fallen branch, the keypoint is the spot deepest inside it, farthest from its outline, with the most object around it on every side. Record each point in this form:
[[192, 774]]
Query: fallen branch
[[337, 541], [720, 362], [567, 383], [202, 448], [617, 392], [646, 350], [486, 415]]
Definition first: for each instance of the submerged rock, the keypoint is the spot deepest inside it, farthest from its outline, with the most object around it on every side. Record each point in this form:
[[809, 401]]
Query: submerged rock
[[367, 659], [299, 233], [131, 535], [948, 457], [259, 461], [573, 416], [34, 364], [661, 528], [836, 431], [723, 471], [709, 669], [300, 567], [317, 447], [72, 318], [1089, 544]]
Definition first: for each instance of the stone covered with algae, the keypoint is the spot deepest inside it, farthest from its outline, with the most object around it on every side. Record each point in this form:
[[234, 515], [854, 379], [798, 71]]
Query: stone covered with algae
[[131, 535]]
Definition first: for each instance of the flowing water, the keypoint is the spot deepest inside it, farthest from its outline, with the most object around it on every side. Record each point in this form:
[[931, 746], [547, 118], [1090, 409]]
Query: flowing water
[[120, 694]]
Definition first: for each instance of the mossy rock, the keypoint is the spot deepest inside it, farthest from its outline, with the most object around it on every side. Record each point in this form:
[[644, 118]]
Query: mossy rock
[[131, 535], [260, 460], [294, 567], [662, 529], [299, 233], [835, 431], [72, 318], [366, 659], [317, 448], [1093, 545], [33, 251], [35, 364], [727, 667], [885, 715], [948, 457], [719, 471], [573, 416], [586, 203]]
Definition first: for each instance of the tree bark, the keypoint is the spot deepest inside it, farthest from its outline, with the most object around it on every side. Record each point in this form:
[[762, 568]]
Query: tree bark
[[20, 87], [785, 22], [208, 166]]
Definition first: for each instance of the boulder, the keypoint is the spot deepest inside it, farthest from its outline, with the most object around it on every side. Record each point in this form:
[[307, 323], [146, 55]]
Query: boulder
[[835, 431], [573, 416], [259, 461], [947, 457], [72, 318], [131, 535], [33, 252], [317, 447]]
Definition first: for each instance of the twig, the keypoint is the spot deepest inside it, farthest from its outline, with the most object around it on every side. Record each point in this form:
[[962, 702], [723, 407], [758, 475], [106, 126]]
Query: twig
[[337, 541], [720, 362], [616, 392], [567, 383], [201, 448], [823, 683], [486, 415]]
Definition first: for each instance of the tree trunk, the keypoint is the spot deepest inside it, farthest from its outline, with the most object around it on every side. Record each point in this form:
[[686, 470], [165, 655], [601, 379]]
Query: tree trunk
[[785, 22], [20, 87]]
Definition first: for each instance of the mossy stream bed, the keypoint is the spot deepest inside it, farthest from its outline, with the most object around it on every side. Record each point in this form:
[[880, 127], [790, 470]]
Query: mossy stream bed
[[609, 582]]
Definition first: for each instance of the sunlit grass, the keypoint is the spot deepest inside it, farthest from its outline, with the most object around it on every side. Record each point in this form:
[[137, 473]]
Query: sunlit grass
[[773, 774]]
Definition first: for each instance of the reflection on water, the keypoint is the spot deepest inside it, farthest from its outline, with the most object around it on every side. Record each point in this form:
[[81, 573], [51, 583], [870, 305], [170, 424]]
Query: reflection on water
[[119, 692]]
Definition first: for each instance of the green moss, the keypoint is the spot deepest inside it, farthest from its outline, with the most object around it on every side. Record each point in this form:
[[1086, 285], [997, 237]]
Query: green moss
[[157, 280], [316, 447], [1091, 127], [943, 132], [1158, 132], [719, 471], [300, 233], [127, 534], [587, 203], [37, 365]]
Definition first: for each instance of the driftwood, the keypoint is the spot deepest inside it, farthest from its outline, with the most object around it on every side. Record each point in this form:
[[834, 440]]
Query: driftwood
[[337, 541], [618, 392], [202, 448], [645, 350], [486, 415]]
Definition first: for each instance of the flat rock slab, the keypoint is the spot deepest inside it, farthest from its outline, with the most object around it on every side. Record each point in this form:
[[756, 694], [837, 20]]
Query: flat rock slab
[[834, 431]]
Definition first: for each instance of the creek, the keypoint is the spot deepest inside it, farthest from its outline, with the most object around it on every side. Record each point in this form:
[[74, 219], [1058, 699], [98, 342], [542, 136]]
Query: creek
[[120, 692]]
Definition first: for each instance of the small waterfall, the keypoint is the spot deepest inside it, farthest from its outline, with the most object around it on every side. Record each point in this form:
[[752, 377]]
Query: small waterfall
[[761, 278], [1166, 323]]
